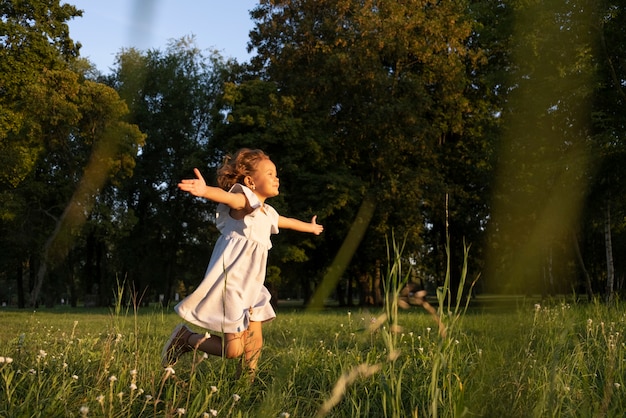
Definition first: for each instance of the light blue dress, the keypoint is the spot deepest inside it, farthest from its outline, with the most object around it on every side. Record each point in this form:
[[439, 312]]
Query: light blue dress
[[232, 292]]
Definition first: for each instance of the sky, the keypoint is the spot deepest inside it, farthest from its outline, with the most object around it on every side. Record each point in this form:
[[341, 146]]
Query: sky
[[107, 26]]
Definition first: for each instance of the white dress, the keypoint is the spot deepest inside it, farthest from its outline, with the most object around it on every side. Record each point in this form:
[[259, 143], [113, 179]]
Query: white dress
[[232, 292]]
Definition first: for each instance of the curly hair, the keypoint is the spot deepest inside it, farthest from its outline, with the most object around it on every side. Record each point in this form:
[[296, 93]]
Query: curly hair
[[235, 168]]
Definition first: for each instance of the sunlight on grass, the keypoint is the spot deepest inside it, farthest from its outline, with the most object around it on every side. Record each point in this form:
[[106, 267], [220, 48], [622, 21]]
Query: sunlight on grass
[[544, 359]]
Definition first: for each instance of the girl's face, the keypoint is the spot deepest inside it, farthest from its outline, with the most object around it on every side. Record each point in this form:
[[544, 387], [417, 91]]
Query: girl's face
[[264, 180]]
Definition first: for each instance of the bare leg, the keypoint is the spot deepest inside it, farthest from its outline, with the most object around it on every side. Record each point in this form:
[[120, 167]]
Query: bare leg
[[253, 345], [233, 346]]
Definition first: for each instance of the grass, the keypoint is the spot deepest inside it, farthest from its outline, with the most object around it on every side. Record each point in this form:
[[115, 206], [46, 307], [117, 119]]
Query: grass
[[534, 360], [555, 359]]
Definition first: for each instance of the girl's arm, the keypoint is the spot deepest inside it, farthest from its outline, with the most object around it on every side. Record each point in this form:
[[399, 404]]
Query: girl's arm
[[297, 225], [198, 187]]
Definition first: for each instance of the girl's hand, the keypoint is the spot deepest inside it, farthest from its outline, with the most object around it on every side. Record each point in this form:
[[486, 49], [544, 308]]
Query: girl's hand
[[196, 187], [315, 228]]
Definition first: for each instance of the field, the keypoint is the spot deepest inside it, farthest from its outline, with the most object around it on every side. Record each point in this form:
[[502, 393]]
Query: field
[[531, 360]]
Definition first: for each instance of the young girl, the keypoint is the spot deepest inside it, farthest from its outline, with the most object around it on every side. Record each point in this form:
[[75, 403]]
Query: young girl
[[232, 299]]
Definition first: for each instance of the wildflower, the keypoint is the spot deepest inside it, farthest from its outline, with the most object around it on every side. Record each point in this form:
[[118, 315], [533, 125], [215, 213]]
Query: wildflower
[[180, 411], [100, 399], [284, 415], [213, 412], [236, 398], [428, 330], [65, 365], [8, 360], [32, 371], [133, 386], [112, 379], [168, 372], [120, 395], [84, 410], [42, 354], [148, 398], [617, 385], [537, 307], [213, 389], [74, 377], [133, 372]]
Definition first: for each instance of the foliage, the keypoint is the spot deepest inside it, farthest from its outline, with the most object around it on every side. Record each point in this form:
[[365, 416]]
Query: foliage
[[63, 139]]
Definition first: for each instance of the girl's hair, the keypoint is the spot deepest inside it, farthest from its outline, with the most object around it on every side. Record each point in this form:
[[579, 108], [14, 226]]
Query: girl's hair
[[235, 168]]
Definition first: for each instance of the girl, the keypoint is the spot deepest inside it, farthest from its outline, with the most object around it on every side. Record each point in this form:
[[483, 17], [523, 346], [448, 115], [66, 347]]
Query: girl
[[232, 298]]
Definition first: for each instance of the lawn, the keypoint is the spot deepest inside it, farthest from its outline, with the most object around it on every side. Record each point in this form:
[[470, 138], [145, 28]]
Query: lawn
[[533, 359]]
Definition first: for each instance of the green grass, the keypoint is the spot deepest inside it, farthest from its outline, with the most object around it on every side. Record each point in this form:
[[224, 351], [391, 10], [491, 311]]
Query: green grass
[[556, 359]]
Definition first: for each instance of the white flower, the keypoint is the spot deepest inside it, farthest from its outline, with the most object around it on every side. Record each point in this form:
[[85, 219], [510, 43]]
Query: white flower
[[100, 399], [84, 410], [148, 397], [112, 379], [133, 372], [74, 377], [213, 389], [284, 415], [42, 354], [180, 411], [133, 386], [617, 385], [2, 360], [8, 360], [236, 397], [537, 307]]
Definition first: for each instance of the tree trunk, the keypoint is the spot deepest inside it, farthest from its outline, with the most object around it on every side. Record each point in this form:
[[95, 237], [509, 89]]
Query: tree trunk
[[610, 270], [579, 256]]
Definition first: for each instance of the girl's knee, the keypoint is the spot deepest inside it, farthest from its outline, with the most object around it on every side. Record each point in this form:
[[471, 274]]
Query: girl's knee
[[233, 349]]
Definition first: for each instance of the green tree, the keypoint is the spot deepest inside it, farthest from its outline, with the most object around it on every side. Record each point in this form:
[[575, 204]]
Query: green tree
[[171, 95], [62, 138], [373, 97]]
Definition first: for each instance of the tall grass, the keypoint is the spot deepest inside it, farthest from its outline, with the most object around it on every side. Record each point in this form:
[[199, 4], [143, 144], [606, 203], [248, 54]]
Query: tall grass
[[537, 359]]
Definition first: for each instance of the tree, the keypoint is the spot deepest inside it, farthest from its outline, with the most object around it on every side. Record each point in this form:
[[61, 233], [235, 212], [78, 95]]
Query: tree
[[371, 93], [62, 138], [171, 95]]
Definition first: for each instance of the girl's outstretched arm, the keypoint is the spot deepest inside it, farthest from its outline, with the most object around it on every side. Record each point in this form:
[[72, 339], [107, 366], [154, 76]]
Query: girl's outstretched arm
[[297, 225], [198, 187]]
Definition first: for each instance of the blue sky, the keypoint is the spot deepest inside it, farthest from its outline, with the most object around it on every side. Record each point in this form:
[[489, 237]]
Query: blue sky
[[110, 25]]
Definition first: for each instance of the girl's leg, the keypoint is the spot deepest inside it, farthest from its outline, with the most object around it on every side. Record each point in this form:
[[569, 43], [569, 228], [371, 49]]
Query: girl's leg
[[233, 346], [253, 345]]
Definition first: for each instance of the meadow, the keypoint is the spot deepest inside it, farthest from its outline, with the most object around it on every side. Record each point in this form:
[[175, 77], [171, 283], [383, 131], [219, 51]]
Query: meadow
[[532, 359]]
